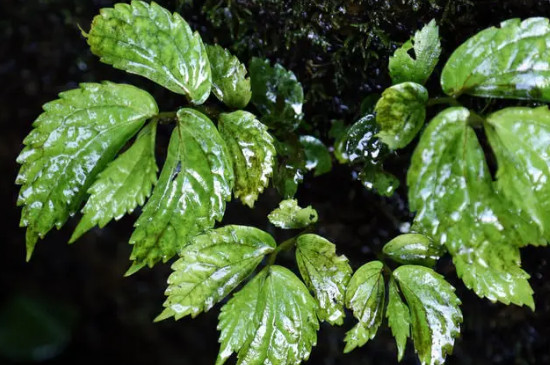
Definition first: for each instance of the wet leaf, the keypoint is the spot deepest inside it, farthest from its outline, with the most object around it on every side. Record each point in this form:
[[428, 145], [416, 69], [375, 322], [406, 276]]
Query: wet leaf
[[360, 143], [289, 215], [427, 48], [148, 41], [211, 266], [451, 188], [400, 113], [123, 185], [277, 94], [399, 318], [190, 195], [365, 296], [317, 156], [252, 151], [434, 312], [368, 103], [413, 248], [289, 168], [229, 81], [283, 327], [376, 179], [507, 62], [520, 140], [326, 275], [71, 142]]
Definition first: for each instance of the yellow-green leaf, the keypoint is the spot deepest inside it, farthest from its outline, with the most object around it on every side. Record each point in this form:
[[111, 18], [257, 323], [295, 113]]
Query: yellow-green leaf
[[289, 215]]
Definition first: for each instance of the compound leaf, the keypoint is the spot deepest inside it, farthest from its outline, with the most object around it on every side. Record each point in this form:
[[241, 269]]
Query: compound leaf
[[434, 312], [451, 187], [123, 185], [413, 248], [229, 81], [289, 215], [277, 94], [365, 296], [149, 41], [519, 138], [317, 155], [252, 151], [211, 266], [72, 141], [190, 195], [399, 318], [283, 327], [325, 273], [507, 62], [400, 113], [427, 48]]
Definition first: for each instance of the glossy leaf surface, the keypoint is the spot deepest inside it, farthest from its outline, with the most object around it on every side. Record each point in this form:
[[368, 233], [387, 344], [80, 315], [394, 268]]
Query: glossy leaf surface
[[365, 296], [325, 273], [283, 327], [123, 185], [400, 113], [71, 142], [317, 155], [520, 138], [427, 48], [434, 309], [252, 151], [277, 94], [399, 318], [229, 81], [289, 215], [194, 184], [212, 266], [376, 179], [413, 248], [507, 62], [360, 143], [289, 168], [451, 188], [145, 39]]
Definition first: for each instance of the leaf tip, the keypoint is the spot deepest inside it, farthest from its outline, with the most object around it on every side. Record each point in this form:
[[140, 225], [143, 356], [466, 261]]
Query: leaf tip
[[134, 268]]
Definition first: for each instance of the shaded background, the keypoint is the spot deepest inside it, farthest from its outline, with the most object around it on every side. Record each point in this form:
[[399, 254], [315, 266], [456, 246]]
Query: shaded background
[[71, 304]]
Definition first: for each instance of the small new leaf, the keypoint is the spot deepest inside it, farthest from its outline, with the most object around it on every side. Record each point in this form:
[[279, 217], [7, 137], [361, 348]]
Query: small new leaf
[[508, 62], [399, 318], [149, 41], [190, 195], [365, 296], [317, 155], [280, 331], [72, 141], [229, 81], [212, 266], [434, 312], [400, 113], [427, 48], [289, 215], [325, 273], [252, 151], [413, 248], [123, 185]]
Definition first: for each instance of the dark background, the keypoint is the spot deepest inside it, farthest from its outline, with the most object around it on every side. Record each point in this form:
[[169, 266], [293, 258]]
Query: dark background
[[75, 299]]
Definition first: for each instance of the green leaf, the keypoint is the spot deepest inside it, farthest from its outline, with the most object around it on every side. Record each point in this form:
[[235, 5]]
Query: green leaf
[[281, 330], [229, 81], [519, 138], [148, 41], [365, 296], [507, 62], [360, 143], [123, 185], [368, 103], [317, 155], [427, 48], [289, 215], [211, 266], [277, 94], [72, 141], [399, 318], [400, 113], [413, 248], [376, 179], [325, 273], [194, 184], [451, 187], [290, 167], [252, 151], [434, 312]]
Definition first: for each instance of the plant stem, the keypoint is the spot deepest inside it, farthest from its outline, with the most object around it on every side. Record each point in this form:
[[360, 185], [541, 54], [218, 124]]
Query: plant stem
[[288, 244], [165, 117], [443, 100]]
